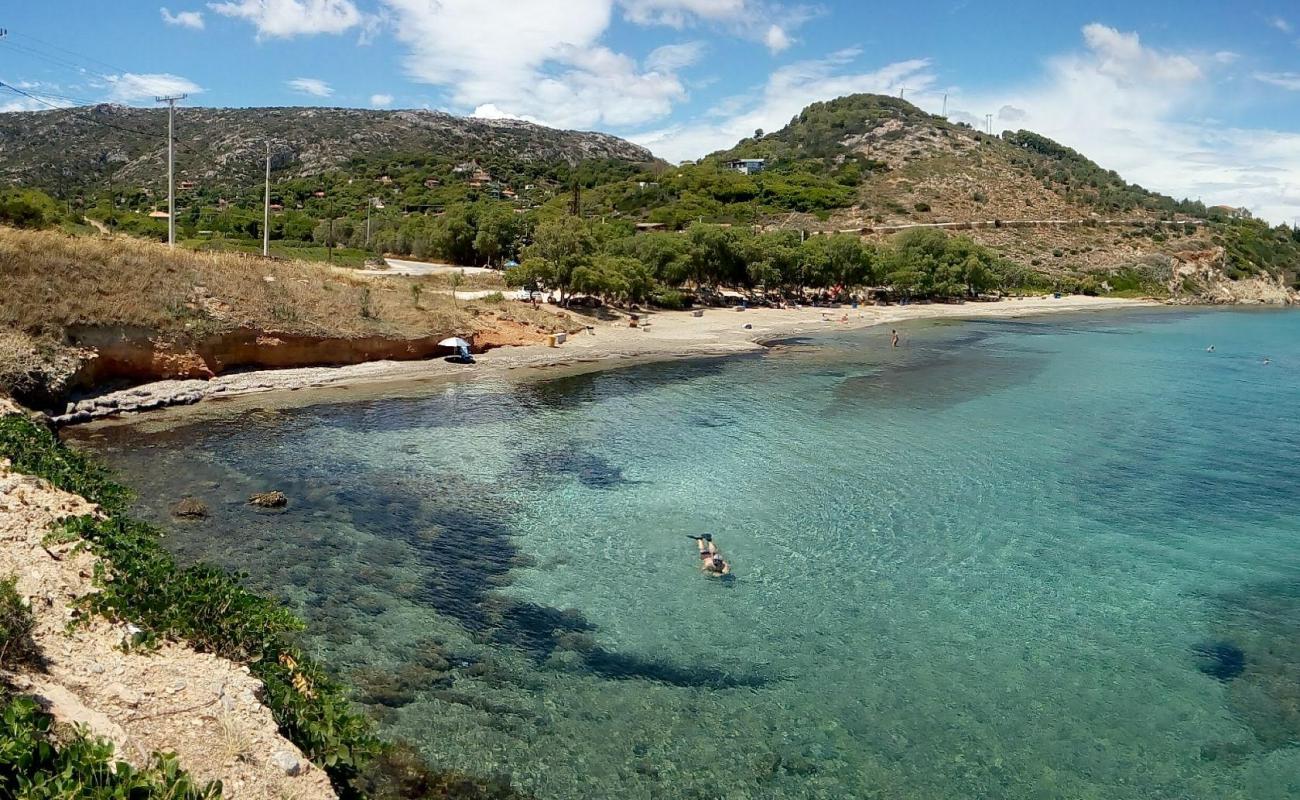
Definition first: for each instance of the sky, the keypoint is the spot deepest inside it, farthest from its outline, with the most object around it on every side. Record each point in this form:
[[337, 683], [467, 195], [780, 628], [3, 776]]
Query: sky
[[1195, 98]]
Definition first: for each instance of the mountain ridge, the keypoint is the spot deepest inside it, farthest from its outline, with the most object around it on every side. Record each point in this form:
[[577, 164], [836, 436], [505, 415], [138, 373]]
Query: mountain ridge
[[71, 149]]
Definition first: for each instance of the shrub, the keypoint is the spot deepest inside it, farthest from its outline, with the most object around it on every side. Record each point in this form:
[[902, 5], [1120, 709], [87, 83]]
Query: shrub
[[670, 299], [495, 297], [979, 196], [37, 765], [921, 206], [16, 624]]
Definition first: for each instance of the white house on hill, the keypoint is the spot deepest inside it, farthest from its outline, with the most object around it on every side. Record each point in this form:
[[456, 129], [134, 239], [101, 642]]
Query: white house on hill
[[747, 166]]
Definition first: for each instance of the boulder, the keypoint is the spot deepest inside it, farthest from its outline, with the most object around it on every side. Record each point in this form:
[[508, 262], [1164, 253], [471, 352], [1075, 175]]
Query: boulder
[[269, 500]]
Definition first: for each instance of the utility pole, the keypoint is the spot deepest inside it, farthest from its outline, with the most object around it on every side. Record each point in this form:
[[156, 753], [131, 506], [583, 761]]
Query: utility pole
[[171, 165], [266, 208], [901, 91], [945, 104], [370, 203], [988, 124]]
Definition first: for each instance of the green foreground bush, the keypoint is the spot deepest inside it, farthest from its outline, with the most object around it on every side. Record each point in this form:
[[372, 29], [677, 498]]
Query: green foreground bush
[[16, 623], [206, 607], [39, 763]]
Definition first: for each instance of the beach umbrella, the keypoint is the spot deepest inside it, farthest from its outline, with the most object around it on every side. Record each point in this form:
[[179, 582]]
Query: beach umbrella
[[454, 342]]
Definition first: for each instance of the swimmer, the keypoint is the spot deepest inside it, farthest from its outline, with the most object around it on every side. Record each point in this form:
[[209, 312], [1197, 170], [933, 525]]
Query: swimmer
[[711, 561], [893, 335], [1210, 349]]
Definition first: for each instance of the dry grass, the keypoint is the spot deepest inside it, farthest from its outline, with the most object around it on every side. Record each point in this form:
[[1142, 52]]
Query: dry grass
[[54, 286], [50, 282]]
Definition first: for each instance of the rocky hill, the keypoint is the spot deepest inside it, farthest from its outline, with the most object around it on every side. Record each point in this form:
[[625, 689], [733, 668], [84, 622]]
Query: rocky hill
[[84, 148], [915, 167]]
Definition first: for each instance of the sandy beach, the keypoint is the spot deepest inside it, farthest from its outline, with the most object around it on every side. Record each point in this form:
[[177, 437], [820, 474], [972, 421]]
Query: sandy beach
[[661, 335]]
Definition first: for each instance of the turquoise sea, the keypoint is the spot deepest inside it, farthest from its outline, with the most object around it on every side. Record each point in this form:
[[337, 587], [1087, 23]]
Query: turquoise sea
[[1050, 558]]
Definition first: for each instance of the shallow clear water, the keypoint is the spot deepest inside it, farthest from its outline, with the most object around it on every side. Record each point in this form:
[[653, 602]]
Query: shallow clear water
[[1022, 559]]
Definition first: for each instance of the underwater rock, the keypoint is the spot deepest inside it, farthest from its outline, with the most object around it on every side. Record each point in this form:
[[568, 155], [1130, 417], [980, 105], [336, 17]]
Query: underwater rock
[[624, 666], [268, 500], [1222, 661], [190, 508]]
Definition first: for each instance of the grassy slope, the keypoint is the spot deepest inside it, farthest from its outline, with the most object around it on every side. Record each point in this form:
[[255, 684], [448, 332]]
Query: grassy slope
[[53, 281]]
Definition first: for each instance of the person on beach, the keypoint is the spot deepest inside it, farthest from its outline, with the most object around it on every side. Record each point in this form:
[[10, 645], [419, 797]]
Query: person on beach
[[893, 337], [711, 561]]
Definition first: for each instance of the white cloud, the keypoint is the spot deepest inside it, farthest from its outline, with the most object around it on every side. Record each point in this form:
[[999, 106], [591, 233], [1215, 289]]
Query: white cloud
[[490, 111], [776, 39], [674, 57], [288, 18], [677, 13], [1122, 57], [130, 87], [1226, 57], [1144, 112], [381, 100], [547, 64], [184, 19], [314, 87], [1285, 80], [757, 20], [27, 104], [1012, 114], [1281, 24], [787, 91]]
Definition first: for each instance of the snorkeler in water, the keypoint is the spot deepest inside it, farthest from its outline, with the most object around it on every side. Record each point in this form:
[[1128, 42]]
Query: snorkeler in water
[[711, 561]]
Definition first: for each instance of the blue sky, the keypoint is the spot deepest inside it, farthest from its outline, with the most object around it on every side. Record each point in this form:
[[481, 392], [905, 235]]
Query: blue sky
[[1198, 98]]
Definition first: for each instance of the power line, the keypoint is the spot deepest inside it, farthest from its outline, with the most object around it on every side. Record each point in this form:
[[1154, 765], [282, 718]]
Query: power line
[[86, 108], [53, 46]]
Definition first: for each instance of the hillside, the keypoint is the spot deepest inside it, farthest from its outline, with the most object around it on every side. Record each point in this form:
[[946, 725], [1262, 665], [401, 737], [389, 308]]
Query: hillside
[[84, 148], [912, 166]]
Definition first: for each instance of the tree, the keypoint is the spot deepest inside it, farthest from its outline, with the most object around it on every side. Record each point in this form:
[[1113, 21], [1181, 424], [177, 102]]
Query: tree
[[714, 256], [559, 247], [28, 208], [453, 235], [498, 232], [849, 261], [618, 277]]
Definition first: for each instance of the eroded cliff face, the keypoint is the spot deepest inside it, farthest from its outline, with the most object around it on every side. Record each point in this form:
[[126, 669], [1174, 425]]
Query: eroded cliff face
[[118, 355], [96, 358], [1199, 278]]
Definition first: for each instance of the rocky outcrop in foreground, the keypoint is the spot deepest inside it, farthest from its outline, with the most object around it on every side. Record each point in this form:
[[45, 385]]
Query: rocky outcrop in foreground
[[205, 709]]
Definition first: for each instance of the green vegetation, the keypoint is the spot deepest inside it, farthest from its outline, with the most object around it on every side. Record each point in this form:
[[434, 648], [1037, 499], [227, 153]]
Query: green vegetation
[[28, 208], [38, 762], [16, 624], [1080, 180], [1252, 247], [207, 608], [569, 255]]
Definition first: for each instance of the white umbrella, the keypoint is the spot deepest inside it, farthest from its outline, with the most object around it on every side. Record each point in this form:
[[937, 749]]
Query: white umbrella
[[453, 342]]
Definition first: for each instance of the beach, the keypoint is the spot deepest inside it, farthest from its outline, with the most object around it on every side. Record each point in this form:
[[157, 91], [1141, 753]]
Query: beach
[[659, 335]]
